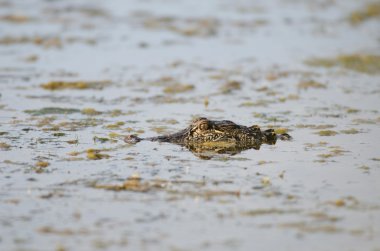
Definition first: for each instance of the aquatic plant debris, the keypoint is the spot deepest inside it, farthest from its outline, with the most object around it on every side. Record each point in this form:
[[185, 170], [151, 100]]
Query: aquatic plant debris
[[364, 63], [96, 154], [4, 146], [78, 85], [52, 110], [370, 11], [230, 86], [178, 88], [311, 84], [171, 187], [327, 133]]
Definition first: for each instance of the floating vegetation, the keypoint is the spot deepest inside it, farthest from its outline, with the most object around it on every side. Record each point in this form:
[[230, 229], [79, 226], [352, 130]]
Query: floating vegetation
[[118, 112], [74, 125], [315, 145], [90, 112], [13, 18], [95, 154], [166, 121], [178, 88], [308, 227], [311, 84], [334, 151], [268, 211], [114, 135], [103, 140], [289, 97], [259, 102], [352, 110], [313, 126], [350, 131], [77, 85], [363, 63], [4, 146], [62, 232], [52, 110], [370, 11], [230, 86], [46, 42], [199, 27], [206, 102], [134, 183], [160, 129], [266, 181], [72, 142], [348, 201], [272, 76], [327, 133], [366, 121], [264, 162], [116, 125], [87, 11], [281, 130], [59, 134], [31, 58], [339, 203], [42, 164]]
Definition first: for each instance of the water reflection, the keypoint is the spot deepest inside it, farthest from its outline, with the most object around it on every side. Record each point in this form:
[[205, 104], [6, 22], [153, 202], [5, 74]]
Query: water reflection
[[210, 150]]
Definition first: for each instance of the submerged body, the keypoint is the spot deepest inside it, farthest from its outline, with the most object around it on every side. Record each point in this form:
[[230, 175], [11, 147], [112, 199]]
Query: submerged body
[[211, 134]]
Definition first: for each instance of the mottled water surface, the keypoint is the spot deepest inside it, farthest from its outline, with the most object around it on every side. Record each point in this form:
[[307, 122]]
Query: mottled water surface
[[76, 77]]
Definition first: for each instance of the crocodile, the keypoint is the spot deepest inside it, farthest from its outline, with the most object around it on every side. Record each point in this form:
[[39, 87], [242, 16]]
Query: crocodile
[[222, 136]]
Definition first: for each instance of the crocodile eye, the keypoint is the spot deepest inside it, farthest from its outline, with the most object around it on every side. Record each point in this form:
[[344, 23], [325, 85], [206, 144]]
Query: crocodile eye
[[255, 128], [203, 126]]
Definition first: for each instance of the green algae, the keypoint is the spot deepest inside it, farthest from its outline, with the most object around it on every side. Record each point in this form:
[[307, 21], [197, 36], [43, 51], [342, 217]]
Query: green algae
[[52, 110], [363, 63]]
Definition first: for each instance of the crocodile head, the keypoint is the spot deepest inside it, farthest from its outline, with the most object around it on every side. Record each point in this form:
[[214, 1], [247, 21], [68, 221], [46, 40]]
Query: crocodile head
[[203, 130]]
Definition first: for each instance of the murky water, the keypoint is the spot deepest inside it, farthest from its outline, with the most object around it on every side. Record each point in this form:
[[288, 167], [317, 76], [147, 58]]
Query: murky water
[[77, 76]]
